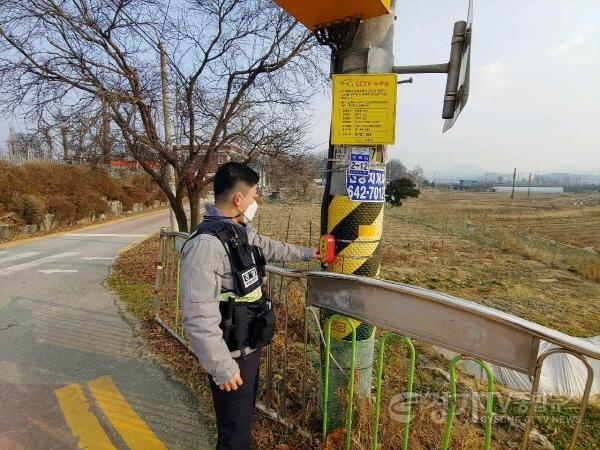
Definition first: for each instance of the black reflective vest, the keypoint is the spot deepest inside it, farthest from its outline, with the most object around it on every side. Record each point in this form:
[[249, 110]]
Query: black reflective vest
[[247, 317]]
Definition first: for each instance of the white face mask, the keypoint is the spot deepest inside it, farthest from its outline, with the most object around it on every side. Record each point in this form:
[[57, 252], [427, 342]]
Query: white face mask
[[250, 211]]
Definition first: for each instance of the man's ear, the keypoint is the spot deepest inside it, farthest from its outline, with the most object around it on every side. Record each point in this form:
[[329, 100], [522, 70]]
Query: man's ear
[[236, 199]]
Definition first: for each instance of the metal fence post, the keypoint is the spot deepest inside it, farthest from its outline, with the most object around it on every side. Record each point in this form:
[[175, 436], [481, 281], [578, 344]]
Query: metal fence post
[[534, 391], [350, 411], [487, 437], [409, 388]]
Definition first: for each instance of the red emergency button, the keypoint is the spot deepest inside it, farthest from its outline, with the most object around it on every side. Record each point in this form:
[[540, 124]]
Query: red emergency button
[[327, 248]]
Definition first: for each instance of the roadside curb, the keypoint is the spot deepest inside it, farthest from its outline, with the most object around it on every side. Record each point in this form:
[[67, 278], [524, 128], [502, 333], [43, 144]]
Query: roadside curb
[[86, 228], [133, 244]]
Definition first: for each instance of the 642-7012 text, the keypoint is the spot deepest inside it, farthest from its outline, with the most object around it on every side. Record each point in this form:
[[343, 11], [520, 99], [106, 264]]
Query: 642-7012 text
[[367, 188]]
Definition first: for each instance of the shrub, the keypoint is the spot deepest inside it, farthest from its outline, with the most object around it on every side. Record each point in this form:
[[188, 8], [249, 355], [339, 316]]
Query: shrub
[[399, 189], [137, 193], [72, 192], [83, 208], [126, 200], [63, 209], [97, 203], [143, 183], [31, 208]]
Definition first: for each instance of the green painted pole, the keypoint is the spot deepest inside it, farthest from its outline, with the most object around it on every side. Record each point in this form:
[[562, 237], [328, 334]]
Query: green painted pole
[[487, 437], [409, 387], [350, 408]]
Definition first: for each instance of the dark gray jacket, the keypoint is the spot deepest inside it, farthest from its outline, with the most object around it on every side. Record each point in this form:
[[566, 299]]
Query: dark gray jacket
[[205, 268]]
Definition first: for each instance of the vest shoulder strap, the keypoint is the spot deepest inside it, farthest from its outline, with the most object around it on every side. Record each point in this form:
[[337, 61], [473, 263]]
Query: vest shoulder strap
[[218, 228]]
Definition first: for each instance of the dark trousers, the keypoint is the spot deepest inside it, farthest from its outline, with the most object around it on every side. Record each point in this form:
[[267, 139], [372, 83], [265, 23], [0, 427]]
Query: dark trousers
[[235, 409]]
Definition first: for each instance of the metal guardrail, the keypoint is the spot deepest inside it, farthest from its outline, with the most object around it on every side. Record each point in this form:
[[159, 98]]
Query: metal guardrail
[[474, 331]]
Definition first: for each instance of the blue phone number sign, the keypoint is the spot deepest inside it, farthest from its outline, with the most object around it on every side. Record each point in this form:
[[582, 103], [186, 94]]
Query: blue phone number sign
[[366, 188]]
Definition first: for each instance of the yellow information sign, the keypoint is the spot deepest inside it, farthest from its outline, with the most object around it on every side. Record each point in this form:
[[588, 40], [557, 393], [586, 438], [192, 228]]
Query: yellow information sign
[[364, 109]]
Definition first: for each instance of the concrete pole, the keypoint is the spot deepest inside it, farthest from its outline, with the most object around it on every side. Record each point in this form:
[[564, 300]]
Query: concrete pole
[[167, 126], [512, 193], [65, 142], [371, 52], [49, 145], [104, 135]]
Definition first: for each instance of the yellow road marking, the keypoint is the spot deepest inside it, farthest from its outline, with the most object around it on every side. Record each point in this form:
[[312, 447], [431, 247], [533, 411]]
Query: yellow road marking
[[81, 420], [123, 418]]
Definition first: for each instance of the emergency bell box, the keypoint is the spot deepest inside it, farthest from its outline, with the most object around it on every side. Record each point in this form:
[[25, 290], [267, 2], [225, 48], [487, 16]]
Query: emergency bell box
[[312, 13], [327, 248]]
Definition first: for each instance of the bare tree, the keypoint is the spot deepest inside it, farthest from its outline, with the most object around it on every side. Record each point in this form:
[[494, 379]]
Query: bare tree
[[417, 175], [295, 174], [244, 73], [27, 145], [396, 169]]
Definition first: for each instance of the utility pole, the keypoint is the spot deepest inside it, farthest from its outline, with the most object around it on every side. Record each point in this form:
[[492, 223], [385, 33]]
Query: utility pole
[[177, 122], [13, 143], [512, 194], [167, 127], [361, 35], [529, 185], [65, 142], [371, 51], [104, 135], [49, 144]]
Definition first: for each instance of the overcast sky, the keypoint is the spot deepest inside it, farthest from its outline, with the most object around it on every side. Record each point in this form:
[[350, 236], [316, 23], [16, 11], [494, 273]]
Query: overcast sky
[[535, 88]]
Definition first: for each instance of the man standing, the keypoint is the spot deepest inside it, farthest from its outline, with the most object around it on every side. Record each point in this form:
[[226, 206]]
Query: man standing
[[226, 315]]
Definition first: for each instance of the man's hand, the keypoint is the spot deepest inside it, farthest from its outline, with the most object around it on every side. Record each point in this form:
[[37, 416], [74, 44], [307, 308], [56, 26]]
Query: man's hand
[[233, 383]]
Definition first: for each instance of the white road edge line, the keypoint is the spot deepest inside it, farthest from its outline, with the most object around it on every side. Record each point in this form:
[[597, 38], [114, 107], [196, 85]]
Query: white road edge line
[[104, 235], [18, 256], [36, 262], [93, 258], [57, 270]]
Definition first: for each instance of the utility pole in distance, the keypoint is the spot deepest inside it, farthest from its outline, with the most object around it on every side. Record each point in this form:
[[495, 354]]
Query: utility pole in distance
[[512, 194], [167, 128], [65, 142]]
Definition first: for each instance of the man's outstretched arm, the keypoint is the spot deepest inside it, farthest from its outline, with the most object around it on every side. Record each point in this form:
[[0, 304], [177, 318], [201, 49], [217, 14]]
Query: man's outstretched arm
[[279, 251]]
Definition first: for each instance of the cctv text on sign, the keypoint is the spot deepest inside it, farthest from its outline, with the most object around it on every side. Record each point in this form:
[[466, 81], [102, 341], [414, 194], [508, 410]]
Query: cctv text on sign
[[364, 109]]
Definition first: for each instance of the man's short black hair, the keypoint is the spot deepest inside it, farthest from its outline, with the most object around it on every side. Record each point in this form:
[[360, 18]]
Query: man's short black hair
[[229, 175]]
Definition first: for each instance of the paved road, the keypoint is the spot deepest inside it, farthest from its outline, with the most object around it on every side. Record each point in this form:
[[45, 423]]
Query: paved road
[[72, 371]]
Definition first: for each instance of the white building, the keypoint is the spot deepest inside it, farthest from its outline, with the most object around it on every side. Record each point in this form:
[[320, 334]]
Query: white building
[[532, 189]]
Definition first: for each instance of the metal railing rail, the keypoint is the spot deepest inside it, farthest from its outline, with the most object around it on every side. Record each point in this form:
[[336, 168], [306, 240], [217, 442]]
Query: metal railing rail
[[474, 331]]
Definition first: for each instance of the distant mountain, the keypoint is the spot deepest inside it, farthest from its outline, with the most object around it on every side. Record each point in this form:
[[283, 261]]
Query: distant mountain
[[460, 170]]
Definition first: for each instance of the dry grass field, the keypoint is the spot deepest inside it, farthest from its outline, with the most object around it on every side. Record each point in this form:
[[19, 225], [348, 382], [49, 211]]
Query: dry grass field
[[572, 219]]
